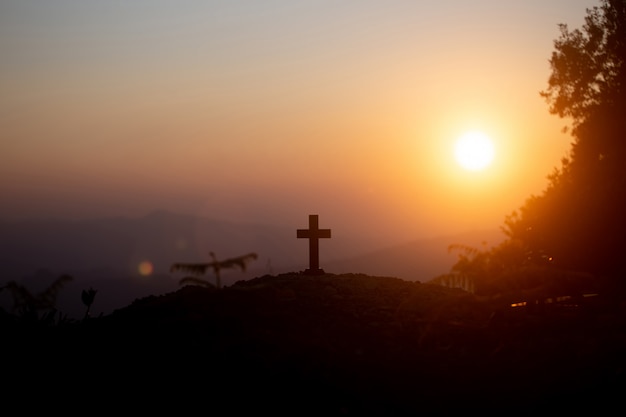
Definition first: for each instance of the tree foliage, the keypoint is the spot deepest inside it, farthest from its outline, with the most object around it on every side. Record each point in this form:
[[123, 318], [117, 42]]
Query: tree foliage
[[201, 268], [36, 306], [579, 219], [588, 82], [587, 64]]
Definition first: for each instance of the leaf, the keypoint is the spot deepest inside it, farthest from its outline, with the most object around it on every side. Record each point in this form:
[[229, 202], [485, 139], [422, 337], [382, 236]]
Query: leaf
[[201, 268], [240, 261], [196, 269], [195, 281], [47, 299]]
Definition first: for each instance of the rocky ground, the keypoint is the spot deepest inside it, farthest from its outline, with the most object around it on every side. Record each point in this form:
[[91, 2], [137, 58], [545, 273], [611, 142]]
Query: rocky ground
[[346, 344]]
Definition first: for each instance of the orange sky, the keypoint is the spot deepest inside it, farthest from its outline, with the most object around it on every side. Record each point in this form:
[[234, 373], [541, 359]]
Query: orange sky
[[270, 111]]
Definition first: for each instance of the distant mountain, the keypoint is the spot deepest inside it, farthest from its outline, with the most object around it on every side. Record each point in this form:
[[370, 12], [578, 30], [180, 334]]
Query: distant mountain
[[420, 260], [106, 254], [161, 238]]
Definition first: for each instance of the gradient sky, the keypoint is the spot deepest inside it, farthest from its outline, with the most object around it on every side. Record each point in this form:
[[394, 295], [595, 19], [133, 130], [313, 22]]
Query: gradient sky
[[267, 111]]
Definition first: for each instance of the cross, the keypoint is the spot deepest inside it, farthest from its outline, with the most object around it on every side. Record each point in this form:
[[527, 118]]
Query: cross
[[314, 233]]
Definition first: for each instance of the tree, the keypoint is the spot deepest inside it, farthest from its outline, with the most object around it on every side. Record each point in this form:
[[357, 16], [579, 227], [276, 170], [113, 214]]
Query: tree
[[484, 271], [588, 64], [579, 220], [217, 266], [29, 306]]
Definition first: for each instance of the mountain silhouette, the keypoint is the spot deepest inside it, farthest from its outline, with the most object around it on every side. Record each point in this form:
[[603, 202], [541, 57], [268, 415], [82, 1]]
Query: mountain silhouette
[[419, 260]]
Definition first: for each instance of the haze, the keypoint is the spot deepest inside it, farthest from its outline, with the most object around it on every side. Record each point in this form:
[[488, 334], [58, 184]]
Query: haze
[[270, 111]]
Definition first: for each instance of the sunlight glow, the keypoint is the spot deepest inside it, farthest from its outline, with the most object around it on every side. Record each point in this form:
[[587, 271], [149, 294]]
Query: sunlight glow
[[474, 151]]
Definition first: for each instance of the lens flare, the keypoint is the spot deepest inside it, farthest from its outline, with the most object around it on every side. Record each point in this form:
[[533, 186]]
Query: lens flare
[[145, 268]]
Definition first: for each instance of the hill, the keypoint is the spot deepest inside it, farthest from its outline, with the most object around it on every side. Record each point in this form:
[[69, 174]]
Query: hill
[[348, 344], [105, 254]]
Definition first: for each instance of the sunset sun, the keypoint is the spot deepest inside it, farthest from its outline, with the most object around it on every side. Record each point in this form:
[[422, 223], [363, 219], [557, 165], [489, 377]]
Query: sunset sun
[[474, 151]]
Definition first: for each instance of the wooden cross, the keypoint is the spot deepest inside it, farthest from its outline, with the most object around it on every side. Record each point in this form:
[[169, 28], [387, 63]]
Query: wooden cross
[[314, 233]]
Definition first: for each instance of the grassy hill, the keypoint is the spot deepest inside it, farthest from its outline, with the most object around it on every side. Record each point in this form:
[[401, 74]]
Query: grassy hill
[[348, 344]]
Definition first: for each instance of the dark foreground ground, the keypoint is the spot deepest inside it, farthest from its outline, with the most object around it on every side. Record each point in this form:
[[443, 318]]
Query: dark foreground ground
[[326, 345]]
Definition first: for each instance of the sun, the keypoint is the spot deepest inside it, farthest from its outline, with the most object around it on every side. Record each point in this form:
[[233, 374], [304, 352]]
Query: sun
[[474, 151]]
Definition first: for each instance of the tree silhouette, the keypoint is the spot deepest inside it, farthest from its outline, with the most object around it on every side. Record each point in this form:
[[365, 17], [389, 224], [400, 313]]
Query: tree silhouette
[[29, 306], [508, 274], [578, 220], [588, 64], [201, 268], [483, 271]]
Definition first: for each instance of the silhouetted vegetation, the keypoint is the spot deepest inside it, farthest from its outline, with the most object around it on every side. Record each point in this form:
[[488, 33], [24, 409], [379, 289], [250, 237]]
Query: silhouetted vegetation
[[508, 274], [348, 344], [577, 226], [578, 221], [36, 307], [87, 297], [201, 268]]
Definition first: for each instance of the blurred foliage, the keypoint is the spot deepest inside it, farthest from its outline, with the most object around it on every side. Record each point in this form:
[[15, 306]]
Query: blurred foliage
[[578, 223], [510, 273], [36, 307], [579, 220], [201, 268]]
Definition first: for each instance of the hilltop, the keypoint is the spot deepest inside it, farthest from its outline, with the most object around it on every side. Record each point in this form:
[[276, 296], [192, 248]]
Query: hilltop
[[348, 344], [105, 253]]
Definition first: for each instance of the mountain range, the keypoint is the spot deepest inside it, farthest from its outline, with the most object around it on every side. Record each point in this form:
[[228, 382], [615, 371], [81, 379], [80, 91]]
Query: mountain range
[[127, 258]]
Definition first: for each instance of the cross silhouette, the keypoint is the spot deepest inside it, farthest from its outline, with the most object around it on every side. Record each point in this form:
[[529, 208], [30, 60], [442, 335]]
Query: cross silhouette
[[314, 233]]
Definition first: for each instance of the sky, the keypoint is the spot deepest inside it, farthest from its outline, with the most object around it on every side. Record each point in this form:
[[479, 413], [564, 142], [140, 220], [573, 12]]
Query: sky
[[269, 111]]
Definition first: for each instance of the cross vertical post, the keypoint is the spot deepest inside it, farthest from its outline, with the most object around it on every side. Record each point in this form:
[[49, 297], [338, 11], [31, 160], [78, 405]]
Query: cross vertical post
[[314, 233]]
